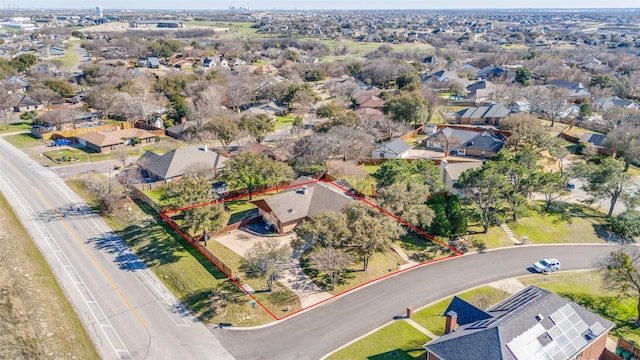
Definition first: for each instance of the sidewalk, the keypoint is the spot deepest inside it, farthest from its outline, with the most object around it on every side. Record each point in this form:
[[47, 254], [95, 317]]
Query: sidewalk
[[398, 250], [512, 237]]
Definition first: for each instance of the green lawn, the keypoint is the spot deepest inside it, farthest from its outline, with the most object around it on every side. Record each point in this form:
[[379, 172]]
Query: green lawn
[[572, 223], [371, 168], [494, 238], [483, 297], [69, 59], [514, 47], [587, 289], [15, 126], [420, 249], [398, 340], [155, 195], [380, 264], [22, 141], [64, 156], [284, 121], [569, 223]]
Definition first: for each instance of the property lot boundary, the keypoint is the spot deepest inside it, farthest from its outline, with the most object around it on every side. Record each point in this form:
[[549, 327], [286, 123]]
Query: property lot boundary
[[229, 272]]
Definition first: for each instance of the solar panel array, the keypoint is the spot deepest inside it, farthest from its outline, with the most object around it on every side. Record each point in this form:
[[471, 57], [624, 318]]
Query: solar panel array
[[507, 307], [568, 336]]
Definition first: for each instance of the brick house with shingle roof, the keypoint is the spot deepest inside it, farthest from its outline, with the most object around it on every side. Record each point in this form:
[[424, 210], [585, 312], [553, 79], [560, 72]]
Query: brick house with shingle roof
[[483, 115], [293, 205], [530, 324], [105, 142]]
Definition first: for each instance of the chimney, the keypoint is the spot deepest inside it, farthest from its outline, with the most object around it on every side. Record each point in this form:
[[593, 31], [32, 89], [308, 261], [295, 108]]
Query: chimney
[[451, 321], [206, 148], [304, 189]]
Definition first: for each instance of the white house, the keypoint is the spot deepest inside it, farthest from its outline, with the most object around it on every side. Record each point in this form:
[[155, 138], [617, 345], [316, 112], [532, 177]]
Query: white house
[[396, 149]]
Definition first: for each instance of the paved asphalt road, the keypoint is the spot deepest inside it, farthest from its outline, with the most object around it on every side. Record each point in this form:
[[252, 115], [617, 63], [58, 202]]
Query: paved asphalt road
[[127, 311], [130, 314], [320, 330]]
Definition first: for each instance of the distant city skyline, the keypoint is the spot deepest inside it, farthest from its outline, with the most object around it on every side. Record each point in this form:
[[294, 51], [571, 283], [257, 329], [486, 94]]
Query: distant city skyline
[[324, 5]]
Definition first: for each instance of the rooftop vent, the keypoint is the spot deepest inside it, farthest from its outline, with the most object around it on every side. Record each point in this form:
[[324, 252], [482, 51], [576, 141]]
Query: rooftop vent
[[539, 317], [291, 211]]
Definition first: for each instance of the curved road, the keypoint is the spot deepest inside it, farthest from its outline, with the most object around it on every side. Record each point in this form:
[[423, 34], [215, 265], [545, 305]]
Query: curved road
[[313, 334], [127, 311], [130, 314]]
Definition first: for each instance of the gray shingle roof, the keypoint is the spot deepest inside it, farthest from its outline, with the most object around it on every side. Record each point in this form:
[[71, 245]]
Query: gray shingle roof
[[486, 141], [466, 312], [397, 147], [177, 162], [492, 111], [516, 323], [295, 203], [595, 139]]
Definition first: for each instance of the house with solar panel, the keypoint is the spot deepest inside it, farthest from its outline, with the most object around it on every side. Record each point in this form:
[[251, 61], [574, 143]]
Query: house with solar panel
[[595, 140], [532, 324], [482, 115]]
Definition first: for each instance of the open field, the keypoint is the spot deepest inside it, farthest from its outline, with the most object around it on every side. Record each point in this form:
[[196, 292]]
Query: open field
[[69, 59], [36, 319]]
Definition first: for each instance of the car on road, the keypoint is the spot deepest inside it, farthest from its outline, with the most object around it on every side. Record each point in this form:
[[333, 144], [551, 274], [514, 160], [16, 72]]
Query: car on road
[[546, 265], [61, 142]]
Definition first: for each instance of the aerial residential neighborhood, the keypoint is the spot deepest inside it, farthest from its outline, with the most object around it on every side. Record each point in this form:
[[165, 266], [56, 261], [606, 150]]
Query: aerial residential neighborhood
[[258, 183]]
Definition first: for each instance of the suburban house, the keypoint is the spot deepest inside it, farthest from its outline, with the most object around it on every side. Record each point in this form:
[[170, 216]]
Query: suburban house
[[105, 142], [608, 102], [530, 324], [153, 62], [24, 103], [575, 89], [175, 163], [270, 80], [483, 115], [265, 70], [442, 76], [466, 142], [480, 91], [451, 172], [596, 140], [395, 149], [209, 62], [370, 101], [293, 205], [274, 108], [490, 72]]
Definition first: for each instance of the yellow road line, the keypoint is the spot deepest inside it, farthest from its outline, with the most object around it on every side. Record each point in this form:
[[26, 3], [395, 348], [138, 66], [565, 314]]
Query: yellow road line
[[84, 247]]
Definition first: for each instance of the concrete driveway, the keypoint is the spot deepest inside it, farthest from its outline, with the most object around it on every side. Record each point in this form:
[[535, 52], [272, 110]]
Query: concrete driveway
[[293, 277]]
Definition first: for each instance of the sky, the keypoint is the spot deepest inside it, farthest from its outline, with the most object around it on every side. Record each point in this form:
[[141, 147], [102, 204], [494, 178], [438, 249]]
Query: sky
[[318, 4]]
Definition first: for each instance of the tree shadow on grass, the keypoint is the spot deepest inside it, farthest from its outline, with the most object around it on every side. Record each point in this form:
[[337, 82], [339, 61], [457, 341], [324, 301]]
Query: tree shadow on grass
[[399, 354], [206, 304], [165, 246]]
